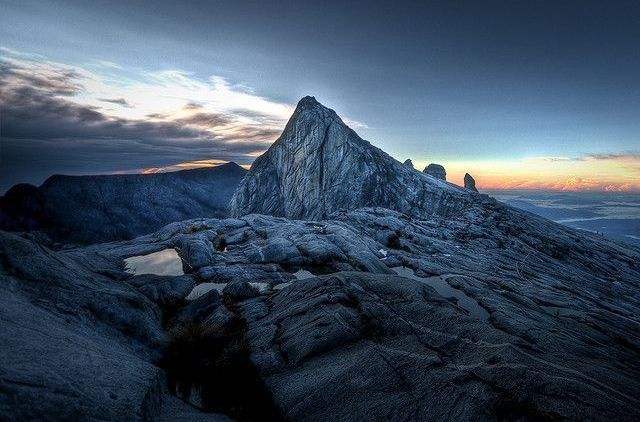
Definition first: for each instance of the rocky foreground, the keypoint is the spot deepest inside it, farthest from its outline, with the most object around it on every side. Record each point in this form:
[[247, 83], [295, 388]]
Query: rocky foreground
[[441, 304], [82, 337]]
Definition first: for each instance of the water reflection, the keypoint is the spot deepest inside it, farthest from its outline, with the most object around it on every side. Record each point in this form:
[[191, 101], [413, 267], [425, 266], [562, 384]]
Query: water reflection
[[165, 262], [445, 290]]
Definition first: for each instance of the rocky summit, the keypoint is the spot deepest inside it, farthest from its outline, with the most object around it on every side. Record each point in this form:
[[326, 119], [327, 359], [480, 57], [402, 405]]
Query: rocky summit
[[436, 170], [319, 165], [470, 182], [307, 305]]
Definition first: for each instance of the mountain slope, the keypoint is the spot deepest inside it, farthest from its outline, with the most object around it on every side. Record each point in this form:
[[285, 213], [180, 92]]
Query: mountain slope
[[319, 165], [467, 309], [88, 209]]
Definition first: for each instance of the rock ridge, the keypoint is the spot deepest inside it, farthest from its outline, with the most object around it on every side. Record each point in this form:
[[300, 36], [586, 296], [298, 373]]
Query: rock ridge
[[319, 165]]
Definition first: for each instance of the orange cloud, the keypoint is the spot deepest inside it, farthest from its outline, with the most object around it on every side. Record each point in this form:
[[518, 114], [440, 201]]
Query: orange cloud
[[184, 166]]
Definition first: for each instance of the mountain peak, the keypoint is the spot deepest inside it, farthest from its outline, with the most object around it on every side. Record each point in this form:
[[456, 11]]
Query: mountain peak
[[307, 102], [319, 165], [310, 109]]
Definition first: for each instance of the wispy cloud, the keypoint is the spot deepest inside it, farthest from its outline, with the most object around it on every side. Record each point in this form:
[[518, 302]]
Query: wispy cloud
[[159, 114], [119, 101], [625, 156], [183, 166], [546, 159], [354, 124]]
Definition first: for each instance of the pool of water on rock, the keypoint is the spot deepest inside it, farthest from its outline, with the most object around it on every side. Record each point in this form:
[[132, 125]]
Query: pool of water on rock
[[440, 285], [164, 262]]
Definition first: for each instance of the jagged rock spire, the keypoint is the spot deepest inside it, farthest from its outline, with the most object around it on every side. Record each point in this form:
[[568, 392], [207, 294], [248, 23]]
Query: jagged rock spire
[[319, 165], [470, 182]]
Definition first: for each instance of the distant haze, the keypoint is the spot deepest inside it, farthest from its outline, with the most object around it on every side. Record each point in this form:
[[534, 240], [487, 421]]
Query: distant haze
[[615, 215]]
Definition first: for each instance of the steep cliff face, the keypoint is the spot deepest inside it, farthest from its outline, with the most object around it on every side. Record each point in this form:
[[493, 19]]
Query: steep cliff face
[[319, 165]]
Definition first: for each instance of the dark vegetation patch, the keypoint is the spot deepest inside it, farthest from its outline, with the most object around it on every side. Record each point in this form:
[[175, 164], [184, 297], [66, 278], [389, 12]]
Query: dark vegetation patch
[[171, 308], [220, 243], [509, 408], [393, 240], [197, 228], [212, 360]]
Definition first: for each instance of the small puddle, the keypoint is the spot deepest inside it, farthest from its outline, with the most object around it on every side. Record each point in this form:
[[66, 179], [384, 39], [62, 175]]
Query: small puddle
[[164, 262], [445, 290]]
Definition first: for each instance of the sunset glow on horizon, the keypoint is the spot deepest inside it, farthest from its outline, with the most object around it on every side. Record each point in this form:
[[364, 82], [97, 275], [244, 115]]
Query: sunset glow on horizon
[[589, 174]]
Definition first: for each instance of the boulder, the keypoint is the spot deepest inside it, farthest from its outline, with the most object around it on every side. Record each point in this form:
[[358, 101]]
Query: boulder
[[436, 170]]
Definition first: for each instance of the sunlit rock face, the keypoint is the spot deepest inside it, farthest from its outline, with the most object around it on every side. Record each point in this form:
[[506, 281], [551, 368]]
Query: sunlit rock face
[[319, 165], [436, 170]]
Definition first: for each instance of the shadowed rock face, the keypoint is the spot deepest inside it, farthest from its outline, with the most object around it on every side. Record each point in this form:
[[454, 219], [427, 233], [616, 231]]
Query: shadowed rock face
[[88, 209], [436, 170], [357, 343], [76, 345], [408, 163], [319, 165], [470, 182]]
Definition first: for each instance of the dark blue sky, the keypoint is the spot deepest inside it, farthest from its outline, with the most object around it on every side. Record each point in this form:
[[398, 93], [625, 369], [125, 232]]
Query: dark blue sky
[[461, 81]]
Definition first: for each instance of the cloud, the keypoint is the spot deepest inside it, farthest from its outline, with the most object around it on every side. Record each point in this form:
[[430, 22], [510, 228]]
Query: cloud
[[547, 159], [186, 165], [206, 120], [192, 106], [169, 116], [354, 124], [120, 101], [626, 156]]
